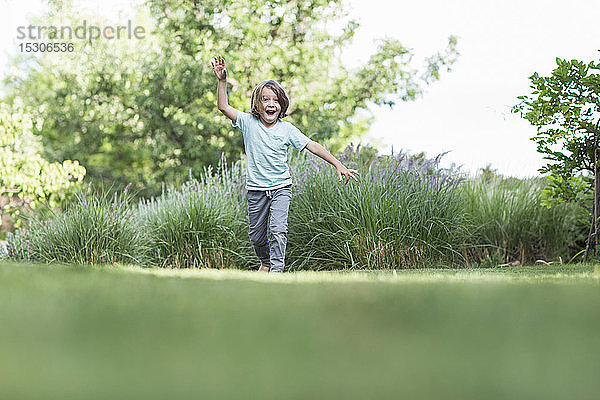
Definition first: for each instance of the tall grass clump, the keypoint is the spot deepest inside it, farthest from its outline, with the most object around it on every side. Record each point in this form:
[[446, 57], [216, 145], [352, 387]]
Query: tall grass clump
[[203, 224], [512, 224], [93, 229], [404, 212]]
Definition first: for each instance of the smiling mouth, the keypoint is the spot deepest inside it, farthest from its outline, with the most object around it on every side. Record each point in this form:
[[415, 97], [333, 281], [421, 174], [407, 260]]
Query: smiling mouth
[[270, 113]]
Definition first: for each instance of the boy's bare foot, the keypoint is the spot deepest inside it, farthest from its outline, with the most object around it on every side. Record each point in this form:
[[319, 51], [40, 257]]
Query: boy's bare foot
[[263, 269]]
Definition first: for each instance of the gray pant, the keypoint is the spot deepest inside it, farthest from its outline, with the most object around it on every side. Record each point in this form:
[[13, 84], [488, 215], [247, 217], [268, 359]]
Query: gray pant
[[261, 203]]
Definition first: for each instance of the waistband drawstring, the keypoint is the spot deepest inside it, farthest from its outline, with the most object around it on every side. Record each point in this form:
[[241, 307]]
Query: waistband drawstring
[[269, 194]]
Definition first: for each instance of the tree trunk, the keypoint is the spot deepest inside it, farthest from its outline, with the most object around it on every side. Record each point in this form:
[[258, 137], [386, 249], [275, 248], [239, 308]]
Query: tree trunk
[[596, 194], [593, 234], [589, 239]]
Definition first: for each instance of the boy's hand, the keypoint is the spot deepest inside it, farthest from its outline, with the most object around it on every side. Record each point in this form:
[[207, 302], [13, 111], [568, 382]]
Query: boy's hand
[[219, 69], [347, 173]]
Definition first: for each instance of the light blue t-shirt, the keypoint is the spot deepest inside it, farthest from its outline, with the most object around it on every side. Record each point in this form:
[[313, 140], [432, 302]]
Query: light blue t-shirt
[[266, 151]]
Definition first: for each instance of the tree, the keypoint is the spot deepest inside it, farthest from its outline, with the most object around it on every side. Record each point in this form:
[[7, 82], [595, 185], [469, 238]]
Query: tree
[[88, 100], [565, 108], [26, 179], [145, 111]]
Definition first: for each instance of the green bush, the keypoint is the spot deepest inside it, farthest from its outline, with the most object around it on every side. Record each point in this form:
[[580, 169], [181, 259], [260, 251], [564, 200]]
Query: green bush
[[404, 212], [512, 224], [203, 224], [93, 229], [27, 180]]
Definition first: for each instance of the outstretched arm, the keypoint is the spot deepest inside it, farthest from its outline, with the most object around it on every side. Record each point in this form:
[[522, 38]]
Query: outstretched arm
[[322, 152], [220, 71]]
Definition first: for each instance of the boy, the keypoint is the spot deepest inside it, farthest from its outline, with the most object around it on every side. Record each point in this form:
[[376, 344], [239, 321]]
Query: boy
[[268, 181]]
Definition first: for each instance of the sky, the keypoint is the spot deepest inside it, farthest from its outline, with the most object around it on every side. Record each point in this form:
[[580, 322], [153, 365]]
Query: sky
[[501, 43], [467, 112]]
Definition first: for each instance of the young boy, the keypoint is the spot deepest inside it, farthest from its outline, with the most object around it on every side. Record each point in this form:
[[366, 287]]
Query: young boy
[[268, 181]]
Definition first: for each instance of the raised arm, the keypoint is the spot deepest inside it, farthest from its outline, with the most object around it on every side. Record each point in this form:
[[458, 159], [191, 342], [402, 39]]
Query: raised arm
[[220, 71], [322, 152]]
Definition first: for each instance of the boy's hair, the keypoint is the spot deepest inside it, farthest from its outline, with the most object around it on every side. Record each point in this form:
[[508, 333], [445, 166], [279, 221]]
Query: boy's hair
[[282, 97]]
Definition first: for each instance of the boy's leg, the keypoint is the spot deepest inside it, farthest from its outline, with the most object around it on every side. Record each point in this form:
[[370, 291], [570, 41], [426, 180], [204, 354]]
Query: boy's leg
[[278, 226], [258, 217]]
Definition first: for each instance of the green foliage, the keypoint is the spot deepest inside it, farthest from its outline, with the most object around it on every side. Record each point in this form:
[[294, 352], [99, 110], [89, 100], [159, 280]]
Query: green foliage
[[510, 222], [565, 108], [90, 102], [203, 224], [574, 189], [26, 178], [93, 230], [404, 212], [144, 111]]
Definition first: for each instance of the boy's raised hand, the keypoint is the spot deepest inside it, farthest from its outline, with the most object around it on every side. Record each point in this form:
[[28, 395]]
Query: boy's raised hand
[[219, 69]]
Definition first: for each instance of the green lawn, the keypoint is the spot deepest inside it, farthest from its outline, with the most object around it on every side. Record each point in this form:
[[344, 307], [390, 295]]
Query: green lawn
[[81, 332]]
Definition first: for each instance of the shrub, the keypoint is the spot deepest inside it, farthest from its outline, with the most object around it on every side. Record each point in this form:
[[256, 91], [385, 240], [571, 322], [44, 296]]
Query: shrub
[[203, 224], [92, 229], [404, 212], [512, 224], [27, 180]]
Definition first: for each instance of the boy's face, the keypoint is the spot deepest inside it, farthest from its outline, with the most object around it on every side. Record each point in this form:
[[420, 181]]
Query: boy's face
[[269, 107]]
